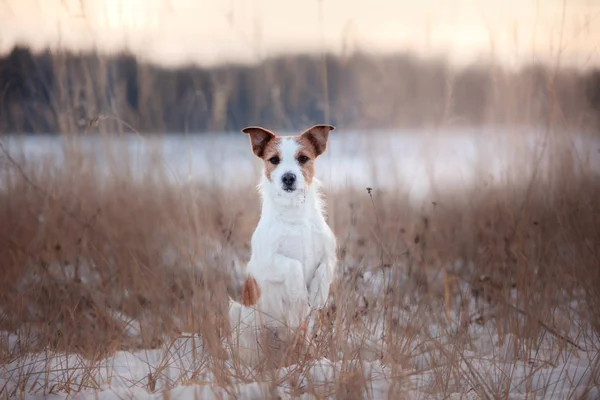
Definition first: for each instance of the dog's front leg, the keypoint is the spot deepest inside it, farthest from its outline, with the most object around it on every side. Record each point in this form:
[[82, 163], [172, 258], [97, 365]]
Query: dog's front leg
[[318, 288], [293, 299]]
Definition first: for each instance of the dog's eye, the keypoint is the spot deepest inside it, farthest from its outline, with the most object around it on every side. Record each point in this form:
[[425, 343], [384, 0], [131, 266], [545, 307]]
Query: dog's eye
[[302, 159], [274, 160]]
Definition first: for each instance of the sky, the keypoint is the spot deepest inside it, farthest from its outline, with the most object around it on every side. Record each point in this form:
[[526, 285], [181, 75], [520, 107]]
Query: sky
[[208, 32]]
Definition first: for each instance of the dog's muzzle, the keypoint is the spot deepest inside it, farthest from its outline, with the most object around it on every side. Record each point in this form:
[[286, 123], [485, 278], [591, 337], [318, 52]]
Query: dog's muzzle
[[289, 182]]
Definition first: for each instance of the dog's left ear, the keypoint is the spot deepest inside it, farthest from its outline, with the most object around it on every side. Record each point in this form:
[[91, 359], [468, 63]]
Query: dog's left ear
[[318, 136]]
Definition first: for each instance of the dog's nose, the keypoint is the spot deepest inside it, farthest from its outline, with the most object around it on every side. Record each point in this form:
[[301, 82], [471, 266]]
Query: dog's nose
[[288, 179]]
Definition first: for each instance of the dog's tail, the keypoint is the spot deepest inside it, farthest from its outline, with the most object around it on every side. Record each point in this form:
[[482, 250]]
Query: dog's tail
[[250, 292], [250, 296]]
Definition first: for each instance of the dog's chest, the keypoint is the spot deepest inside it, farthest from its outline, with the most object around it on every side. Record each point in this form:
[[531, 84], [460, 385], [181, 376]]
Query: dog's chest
[[303, 242]]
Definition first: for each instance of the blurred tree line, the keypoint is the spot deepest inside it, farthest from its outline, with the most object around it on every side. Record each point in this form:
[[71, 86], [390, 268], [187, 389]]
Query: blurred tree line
[[63, 92]]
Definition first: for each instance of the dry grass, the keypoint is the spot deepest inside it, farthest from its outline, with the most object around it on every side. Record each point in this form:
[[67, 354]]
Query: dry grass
[[85, 256]]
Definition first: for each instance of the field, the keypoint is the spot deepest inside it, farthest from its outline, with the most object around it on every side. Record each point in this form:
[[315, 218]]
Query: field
[[468, 267]]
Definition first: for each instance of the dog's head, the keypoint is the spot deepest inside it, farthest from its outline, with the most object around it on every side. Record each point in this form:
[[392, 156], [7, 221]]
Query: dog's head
[[289, 160]]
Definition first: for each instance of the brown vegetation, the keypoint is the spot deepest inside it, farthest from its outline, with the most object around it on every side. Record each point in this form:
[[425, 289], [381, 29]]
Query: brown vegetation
[[78, 249]]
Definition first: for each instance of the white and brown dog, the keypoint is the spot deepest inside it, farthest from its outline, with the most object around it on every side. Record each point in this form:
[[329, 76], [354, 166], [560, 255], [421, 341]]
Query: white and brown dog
[[293, 257]]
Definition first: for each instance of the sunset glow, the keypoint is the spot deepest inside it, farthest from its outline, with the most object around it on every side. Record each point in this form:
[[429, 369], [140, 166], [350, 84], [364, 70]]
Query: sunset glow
[[211, 31]]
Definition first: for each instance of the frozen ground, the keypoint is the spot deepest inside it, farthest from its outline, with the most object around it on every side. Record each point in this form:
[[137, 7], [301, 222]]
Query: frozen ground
[[182, 370], [435, 364]]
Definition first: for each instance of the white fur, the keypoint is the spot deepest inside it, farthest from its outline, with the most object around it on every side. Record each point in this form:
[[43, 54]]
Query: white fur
[[293, 257]]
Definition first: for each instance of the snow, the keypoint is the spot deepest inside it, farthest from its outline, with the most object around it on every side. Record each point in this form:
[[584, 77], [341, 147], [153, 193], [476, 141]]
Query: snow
[[416, 160], [437, 357], [128, 375]]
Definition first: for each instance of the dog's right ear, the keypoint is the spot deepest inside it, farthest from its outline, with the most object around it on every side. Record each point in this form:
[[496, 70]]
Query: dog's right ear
[[259, 138]]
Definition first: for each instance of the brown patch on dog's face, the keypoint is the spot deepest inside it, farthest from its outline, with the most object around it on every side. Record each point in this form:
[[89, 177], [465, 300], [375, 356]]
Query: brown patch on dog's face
[[305, 156], [311, 144], [271, 156], [265, 145], [250, 292]]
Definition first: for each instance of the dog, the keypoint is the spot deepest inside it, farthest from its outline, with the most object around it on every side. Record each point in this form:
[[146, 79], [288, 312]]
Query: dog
[[293, 260]]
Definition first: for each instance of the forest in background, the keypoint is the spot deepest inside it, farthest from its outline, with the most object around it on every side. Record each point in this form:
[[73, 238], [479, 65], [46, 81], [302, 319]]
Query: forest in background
[[61, 92]]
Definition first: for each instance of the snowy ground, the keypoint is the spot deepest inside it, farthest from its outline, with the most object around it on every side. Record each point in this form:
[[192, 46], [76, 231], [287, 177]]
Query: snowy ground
[[435, 363]]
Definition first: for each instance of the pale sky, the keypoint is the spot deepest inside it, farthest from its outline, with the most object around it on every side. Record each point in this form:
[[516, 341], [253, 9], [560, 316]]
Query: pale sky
[[211, 31]]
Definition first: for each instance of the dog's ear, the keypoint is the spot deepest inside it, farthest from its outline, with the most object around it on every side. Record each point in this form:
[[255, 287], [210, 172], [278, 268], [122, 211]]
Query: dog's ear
[[317, 136], [259, 138], [250, 292]]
